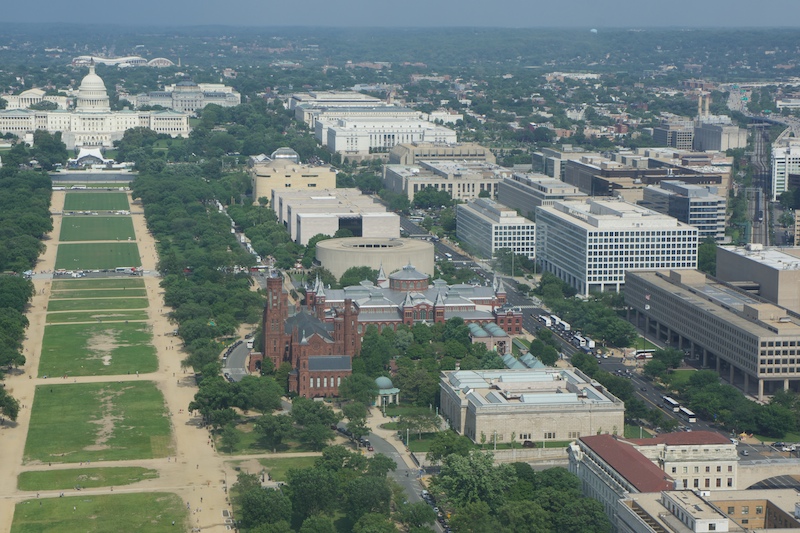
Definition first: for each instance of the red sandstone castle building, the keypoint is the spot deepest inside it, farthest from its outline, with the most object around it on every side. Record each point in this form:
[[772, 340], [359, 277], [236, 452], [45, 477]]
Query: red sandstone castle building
[[320, 340]]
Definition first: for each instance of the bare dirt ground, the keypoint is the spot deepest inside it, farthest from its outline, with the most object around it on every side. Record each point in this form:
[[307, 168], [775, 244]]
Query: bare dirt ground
[[196, 472]]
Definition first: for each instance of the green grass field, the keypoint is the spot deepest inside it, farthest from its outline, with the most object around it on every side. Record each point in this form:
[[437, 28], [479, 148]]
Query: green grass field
[[96, 201], [97, 304], [85, 478], [97, 229], [143, 513], [95, 316], [98, 293], [98, 422], [279, 467], [107, 283], [94, 255], [97, 349]]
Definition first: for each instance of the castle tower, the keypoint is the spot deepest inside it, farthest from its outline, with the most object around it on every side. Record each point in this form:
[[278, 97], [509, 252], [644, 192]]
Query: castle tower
[[276, 311]]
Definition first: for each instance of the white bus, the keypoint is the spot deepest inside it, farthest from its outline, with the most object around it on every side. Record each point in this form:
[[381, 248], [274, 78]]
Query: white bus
[[670, 403], [687, 415]]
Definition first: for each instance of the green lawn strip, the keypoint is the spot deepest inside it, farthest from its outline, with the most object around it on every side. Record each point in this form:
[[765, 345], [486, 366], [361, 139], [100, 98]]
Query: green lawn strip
[[95, 316], [143, 513], [97, 304], [404, 410], [97, 349], [88, 256], [104, 283], [278, 468], [249, 443], [96, 228], [98, 422], [99, 293], [86, 478], [96, 201], [635, 432]]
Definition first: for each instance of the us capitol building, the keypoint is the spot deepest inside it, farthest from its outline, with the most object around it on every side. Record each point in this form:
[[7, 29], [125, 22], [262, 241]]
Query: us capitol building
[[92, 123]]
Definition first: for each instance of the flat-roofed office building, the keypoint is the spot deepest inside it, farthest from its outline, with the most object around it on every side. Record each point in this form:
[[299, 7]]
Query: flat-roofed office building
[[488, 226], [526, 192], [546, 404], [592, 244], [697, 205], [772, 273], [411, 153], [745, 338], [462, 180]]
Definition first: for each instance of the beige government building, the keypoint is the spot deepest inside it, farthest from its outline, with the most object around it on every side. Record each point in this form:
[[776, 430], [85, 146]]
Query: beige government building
[[539, 405], [282, 171]]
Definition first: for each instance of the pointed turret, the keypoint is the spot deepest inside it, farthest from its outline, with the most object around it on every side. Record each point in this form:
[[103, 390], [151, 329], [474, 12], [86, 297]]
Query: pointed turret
[[383, 279]]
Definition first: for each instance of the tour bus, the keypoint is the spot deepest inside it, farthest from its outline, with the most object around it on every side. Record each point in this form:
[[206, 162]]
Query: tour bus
[[687, 415], [670, 403]]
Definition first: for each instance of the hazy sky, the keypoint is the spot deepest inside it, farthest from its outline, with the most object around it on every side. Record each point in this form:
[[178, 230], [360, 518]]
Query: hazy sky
[[409, 13]]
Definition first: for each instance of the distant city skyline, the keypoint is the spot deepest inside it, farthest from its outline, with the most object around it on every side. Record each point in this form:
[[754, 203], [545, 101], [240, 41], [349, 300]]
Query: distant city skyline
[[415, 13]]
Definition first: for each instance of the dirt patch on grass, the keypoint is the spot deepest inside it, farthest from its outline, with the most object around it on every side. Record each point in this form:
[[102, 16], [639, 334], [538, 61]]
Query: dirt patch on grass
[[101, 344], [105, 423]]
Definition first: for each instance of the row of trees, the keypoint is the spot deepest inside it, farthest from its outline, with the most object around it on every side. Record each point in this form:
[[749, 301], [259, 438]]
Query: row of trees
[[197, 259], [341, 483], [24, 221], [486, 497]]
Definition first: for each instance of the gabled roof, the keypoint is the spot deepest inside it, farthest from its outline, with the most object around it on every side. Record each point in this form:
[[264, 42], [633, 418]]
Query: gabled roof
[[629, 463], [308, 326], [318, 363]]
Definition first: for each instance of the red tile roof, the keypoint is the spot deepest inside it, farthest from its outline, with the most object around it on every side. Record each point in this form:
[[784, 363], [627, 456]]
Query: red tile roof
[[684, 438], [629, 463]]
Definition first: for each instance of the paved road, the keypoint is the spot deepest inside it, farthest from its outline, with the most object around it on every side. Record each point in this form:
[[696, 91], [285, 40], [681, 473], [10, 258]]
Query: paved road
[[235, 364]]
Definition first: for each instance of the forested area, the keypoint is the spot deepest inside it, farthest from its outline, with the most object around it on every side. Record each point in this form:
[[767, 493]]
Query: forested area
[[24, 222], [197, 256]]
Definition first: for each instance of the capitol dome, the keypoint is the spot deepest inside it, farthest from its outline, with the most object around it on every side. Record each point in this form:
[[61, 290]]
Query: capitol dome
[[92, 94]]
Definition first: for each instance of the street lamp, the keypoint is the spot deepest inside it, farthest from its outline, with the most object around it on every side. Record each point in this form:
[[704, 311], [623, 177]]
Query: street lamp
[[495, 440]]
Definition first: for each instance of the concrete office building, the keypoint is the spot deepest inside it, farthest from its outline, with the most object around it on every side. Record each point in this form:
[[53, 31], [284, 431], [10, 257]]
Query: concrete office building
[[611, 469], [745, 338], [304, 103], [548, 404], [281, 171], [696, 205], [552, 162], [704, 460], [411, 153], [592, 244], [323, 118], [771, 273], [389, 254], [626, 175], [718, 137], [309, 212], [463, 180], [740, 511], [678, 134], [526, 192], [785, 160], [362, 137], [488, 226]]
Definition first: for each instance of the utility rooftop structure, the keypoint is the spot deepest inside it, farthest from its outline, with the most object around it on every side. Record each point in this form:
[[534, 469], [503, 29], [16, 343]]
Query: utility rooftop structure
[[412, 153], [489, 226], [526, 192], [740, 335], [309, 212], [771, 273], [535, 404], [463, 180], [592, 244]]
